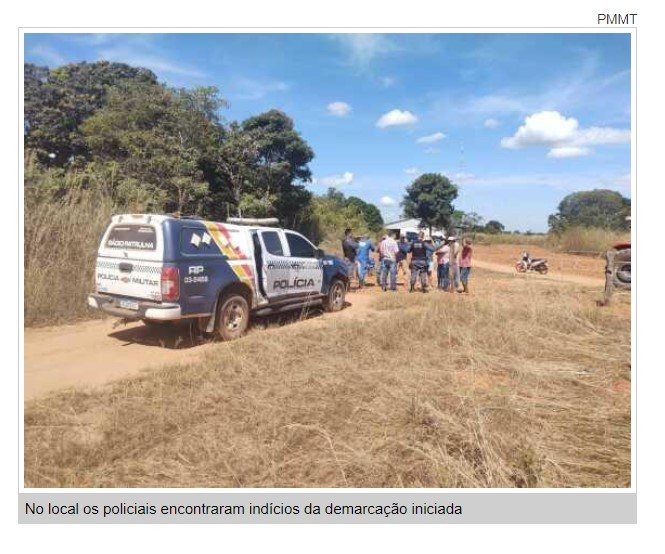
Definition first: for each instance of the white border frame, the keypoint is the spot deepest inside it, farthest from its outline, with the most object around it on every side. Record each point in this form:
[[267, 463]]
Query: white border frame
[[632, 31]]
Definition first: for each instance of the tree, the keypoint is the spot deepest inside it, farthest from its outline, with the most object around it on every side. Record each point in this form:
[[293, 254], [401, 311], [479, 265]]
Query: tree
[[429, 198], [57, 101], [282, 165], [156, 139], [371, 214], [237, 158], [466, 220], [494, 227], [602, 208], [333, 212]]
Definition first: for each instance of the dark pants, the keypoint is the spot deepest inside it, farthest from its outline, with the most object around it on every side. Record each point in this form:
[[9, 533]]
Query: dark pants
[[419, 266], [443, 275]]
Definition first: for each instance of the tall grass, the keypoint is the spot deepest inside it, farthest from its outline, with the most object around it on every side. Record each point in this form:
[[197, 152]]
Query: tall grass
[[585, 240], [574, 240], [522, 384], [538, 239], [62, 229]]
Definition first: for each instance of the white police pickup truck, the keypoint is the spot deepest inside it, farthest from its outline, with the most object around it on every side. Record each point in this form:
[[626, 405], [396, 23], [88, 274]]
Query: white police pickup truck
[[160, 268]]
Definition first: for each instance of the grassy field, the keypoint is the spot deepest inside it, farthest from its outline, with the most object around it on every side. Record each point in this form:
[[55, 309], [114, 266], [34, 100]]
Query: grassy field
[[60, 249], [524, 383], [576, 240]]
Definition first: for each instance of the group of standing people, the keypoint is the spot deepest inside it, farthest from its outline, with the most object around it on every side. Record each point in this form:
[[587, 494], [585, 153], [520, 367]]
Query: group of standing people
[[453, 262]]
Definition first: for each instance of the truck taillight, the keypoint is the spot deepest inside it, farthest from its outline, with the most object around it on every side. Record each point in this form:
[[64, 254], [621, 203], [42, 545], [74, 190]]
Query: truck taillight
[[170, 283]]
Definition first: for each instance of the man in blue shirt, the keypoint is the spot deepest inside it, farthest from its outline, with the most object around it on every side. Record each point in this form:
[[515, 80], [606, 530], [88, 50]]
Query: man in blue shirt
[[365, 246]]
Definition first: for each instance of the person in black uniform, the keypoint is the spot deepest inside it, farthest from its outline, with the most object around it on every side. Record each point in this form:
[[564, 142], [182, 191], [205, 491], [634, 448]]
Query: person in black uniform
[[420, 253], [350, 250]]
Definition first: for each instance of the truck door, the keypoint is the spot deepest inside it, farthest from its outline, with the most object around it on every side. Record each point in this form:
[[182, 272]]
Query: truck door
[[275, 270], [306, 268]]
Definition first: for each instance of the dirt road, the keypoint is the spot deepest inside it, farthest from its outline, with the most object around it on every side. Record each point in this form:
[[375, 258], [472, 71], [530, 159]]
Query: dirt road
[[551, 276], [94, 352]]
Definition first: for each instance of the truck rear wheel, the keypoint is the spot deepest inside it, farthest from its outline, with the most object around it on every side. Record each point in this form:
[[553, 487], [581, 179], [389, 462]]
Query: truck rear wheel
[[334, 301], [232, 317]]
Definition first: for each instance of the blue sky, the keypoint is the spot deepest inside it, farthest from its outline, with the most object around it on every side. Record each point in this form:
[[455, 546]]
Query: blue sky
[[517, 121]]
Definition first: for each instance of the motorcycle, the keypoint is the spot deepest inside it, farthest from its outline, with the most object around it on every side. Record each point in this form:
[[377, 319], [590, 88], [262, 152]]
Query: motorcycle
[[531, 264]]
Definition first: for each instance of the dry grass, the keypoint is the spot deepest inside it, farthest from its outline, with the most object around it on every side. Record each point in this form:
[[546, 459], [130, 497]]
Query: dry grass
[[522, 384], [586, 240], [538, 239], [62, 235], [576, 240]]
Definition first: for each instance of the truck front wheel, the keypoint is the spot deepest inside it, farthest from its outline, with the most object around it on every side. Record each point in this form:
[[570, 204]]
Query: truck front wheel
[[334, 301], [232, 317]]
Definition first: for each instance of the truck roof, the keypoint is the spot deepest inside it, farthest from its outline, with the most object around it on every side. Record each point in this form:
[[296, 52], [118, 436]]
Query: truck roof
[[160, 218]]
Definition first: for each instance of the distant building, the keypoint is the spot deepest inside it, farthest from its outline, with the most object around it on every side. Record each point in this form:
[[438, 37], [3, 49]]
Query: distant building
[[410, 228]]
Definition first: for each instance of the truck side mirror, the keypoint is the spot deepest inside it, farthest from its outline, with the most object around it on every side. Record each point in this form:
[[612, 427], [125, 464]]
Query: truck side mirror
[[319, 253]]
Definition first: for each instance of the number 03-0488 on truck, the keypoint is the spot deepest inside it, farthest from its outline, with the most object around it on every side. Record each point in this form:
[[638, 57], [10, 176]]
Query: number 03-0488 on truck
[[160, 268]]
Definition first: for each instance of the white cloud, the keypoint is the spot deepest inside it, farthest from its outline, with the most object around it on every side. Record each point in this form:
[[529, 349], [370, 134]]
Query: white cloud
[[491, 123], [345, 178], [618, 182], [568, 152], [429, 139], [388, 201], [396, 117], [362, 49], [339, 109], [602, 135], [412, 171], [93, 39], [133, 56], [244, 88], [432, 150], [564, 182], [463, 177], [562, 135], [48, 55], [542, 128], [388, 81], [458, 176], [577, 88]]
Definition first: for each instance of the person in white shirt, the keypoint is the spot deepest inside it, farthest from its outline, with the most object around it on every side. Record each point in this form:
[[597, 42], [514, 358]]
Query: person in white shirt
[[389, 250]]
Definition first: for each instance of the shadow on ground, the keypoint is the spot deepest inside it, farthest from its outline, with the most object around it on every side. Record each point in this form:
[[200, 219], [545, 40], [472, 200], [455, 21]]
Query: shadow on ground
[[184, 335]]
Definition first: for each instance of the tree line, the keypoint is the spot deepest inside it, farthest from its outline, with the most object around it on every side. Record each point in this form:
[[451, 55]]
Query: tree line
[[162, 149], [430, 199]]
